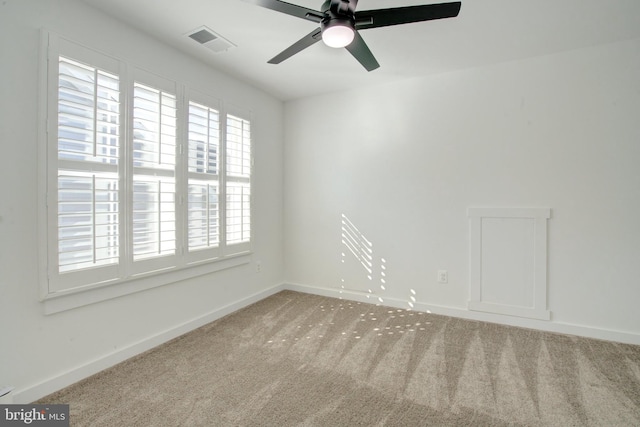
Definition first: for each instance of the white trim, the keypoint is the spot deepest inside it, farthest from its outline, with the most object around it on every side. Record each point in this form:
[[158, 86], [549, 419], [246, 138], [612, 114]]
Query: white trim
[[509, 310], [37, 391], [538, 213], [556, 327], [43, 130], [538, 310], [56, 303]]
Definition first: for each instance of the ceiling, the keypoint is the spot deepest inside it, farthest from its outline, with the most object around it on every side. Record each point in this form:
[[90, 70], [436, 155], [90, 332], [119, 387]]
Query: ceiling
[[485, 32]]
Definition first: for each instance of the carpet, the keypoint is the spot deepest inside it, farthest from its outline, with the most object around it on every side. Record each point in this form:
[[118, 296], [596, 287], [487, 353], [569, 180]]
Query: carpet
[[298, 359]]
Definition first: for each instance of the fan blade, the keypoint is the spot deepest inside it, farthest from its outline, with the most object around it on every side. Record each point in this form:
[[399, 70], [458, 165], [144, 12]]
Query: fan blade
[[405, 15], [359, 49], [308, 40], [289, 9]]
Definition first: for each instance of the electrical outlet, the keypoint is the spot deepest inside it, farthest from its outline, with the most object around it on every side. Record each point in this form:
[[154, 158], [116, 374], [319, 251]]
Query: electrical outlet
[[258, 266], [443, 276]]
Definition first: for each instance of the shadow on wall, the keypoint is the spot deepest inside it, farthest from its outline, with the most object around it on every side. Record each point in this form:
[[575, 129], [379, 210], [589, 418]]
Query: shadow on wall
[[362, 271]]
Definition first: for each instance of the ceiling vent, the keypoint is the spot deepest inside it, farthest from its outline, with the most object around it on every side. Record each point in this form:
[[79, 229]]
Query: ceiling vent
[[210, 39]]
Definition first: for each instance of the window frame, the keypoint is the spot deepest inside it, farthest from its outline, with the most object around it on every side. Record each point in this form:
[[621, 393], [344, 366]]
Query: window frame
[[63, 291]]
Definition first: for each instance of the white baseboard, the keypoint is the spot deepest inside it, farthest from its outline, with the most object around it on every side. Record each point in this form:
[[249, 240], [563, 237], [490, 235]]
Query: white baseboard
[[35, 392], [547, 326]]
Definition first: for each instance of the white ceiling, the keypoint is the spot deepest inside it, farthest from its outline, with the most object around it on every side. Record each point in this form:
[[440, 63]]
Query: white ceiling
[[485, 32]]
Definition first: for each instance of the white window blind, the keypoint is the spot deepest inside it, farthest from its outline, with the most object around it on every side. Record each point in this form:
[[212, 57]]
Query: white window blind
[[87, 220], [203, 179], [238, 212], [88, 143], [88, 113], [154, 162], [238, 180], [203, 215]]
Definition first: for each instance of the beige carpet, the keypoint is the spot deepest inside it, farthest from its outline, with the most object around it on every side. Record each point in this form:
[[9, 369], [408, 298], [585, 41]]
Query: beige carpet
[[298, 359]]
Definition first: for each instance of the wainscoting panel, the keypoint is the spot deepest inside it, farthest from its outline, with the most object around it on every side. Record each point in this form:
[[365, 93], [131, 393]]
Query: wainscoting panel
[[508, 261]]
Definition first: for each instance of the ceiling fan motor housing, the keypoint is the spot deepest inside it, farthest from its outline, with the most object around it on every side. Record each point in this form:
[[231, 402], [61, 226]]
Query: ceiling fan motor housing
[[340, 7], [338, 13], [337, 21]]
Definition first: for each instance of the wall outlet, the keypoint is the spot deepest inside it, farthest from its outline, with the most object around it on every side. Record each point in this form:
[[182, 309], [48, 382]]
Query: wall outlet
[[258, 266], [443, 276]]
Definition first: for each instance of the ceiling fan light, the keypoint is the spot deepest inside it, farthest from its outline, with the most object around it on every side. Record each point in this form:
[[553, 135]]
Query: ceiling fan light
[[338, 36]]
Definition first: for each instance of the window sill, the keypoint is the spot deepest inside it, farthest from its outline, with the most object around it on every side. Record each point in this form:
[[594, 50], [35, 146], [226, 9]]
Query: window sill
[[62, 301]]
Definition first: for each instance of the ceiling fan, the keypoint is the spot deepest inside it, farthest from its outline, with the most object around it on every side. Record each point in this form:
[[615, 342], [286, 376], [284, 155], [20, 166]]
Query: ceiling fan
[[339, 24]]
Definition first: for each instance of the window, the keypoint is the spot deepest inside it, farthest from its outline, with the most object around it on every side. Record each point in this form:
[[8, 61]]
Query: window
[[142, 174], [238, 180], [203, 216], [153, 186], [88, 143]]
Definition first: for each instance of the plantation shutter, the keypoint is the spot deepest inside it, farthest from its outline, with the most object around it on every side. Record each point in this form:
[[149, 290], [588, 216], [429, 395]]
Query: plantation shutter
[[154, 177], [203, 218], [87, 194], [141, 176], [238, 181]]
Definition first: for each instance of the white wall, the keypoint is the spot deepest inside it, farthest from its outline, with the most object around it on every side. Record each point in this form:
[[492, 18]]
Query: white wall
[[404, 161], [40, 353]]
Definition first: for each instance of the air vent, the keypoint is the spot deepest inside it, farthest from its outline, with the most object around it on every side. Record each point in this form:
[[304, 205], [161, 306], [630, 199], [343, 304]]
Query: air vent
[[210, 39]]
